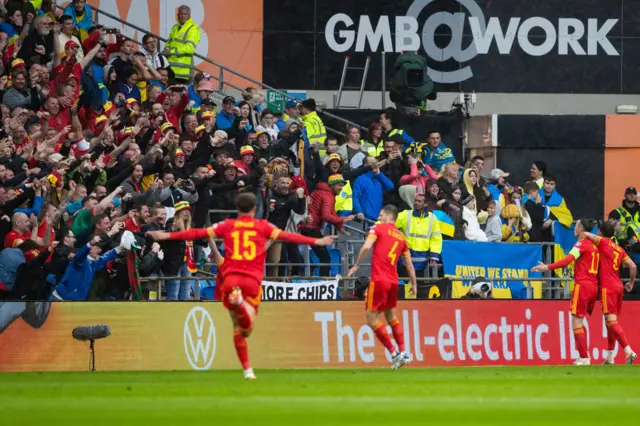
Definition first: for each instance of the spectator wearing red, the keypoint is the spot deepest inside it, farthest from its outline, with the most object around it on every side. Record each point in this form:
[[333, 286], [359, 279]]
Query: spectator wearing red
[[178, 98], [323, 209], [22, 229]]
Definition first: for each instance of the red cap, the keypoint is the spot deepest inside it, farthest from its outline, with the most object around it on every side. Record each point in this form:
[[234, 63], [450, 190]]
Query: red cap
[[70, 44]]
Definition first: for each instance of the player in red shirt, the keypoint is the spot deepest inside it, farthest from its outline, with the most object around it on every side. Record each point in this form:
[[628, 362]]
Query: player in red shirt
[[388, 245], [612, 256], [245, 240], [587, 260]]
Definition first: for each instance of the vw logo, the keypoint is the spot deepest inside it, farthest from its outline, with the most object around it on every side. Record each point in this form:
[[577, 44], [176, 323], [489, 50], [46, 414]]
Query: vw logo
[[454, 50], [199, 338]]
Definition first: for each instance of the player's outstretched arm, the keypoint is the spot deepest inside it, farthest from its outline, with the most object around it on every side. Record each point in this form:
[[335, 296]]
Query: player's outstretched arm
[[363, 253], [188, 235], [592, 237], [565, 261], [289, 237], [633, 271]]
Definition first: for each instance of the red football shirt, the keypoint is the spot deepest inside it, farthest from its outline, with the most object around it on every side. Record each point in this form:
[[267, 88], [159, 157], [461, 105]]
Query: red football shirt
[[13, 239], [42, 231], [131, 225], [586, 263], [245, 241], [389, 245], [611, 258]]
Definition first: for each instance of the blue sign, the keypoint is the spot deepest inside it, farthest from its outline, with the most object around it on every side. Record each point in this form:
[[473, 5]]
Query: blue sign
[[494, 261]]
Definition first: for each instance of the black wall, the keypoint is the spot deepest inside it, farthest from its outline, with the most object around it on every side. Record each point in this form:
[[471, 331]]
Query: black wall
[[449, 126], [297, 56], [573, 148]]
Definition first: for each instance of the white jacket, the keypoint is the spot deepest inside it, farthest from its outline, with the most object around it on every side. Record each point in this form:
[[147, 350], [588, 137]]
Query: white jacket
[[473, 231]]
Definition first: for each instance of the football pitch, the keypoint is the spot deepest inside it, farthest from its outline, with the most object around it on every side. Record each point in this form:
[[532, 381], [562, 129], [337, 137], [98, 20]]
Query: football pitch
[[445, 396]]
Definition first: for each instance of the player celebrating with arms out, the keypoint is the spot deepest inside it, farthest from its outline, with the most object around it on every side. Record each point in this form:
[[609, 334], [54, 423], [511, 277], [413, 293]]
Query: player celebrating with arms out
[[612, 256], [388, 245], [245, 240], [587, 259]]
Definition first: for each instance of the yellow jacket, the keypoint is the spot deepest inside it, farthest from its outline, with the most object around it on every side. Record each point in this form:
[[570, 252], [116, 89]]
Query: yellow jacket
[[183, 41], [344, 200], [423, 236], [314, 127]]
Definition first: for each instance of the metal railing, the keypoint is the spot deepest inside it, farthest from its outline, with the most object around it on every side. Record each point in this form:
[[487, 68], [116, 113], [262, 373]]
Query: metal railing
[[223, 69]]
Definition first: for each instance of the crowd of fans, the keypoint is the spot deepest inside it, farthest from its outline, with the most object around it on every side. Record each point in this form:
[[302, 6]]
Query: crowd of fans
[[101, 138]]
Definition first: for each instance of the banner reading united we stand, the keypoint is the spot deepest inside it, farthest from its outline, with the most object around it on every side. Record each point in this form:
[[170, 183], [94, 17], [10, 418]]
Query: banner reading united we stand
[[184, 336]]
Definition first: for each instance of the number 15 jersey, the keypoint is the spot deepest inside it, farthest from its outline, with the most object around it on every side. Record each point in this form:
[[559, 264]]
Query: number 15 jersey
[[389, 245], [245, 244]]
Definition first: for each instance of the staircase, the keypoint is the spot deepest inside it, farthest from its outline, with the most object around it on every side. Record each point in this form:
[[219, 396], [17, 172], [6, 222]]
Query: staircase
[[225, 73]]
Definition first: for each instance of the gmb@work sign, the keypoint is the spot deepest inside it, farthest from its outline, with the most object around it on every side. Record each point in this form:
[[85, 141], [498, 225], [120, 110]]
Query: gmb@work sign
[[185, 336]]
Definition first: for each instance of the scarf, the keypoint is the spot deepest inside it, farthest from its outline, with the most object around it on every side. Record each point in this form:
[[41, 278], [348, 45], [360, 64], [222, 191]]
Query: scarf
[[134, 276], [190, 258]]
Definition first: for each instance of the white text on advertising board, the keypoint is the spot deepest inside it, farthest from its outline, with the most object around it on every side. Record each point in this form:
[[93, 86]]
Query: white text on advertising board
[[564, 35]]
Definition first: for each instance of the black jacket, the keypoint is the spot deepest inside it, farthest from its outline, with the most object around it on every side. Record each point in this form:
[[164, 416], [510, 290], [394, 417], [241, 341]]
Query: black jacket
[[536, 212], [283, 206], [394, 170]]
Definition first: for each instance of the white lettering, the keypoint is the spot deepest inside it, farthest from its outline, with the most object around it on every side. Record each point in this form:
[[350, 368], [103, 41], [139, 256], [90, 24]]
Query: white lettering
[[416, 337], [341, 332], [365, 340], [367, 33], [461, 354], [407, 39], [568, 38], [563, 340], [504, 330], [407, 335], [542, 354], [324, 318], [494, 31], [491, 329], [444, 342], [474, 338], [599, 37], [455, 22], [346, 35], [518, 330], [546, 46]]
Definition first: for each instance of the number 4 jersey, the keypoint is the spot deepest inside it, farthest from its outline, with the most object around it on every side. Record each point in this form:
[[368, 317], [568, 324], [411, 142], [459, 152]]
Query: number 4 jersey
[[389, 245]]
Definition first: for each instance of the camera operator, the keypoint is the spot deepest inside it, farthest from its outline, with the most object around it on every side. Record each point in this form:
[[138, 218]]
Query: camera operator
[[480, 289]]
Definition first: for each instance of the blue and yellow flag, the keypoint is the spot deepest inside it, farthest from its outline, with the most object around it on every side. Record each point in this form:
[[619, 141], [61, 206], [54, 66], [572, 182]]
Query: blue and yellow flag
[[564, 241], [447, 226], [556, 205]]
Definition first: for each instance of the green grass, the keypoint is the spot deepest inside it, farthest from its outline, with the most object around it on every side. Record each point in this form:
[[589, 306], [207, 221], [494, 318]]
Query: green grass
[[594, 395]]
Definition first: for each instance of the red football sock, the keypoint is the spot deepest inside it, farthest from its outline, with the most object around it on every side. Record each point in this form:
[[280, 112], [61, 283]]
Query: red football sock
[[398, 334], [611, 339], [244, 319], [614, 328], [581, 342], [383, 336], [241, 349]]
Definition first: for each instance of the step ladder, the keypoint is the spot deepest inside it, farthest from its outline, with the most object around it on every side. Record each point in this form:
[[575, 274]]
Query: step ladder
[[345, 68]]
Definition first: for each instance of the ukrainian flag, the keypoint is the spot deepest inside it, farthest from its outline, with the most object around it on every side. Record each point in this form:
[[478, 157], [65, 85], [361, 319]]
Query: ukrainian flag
[[564, 241], [556, 205], [447, 226]]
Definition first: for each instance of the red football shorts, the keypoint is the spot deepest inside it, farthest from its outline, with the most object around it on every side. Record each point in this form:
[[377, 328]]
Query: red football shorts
[[381, 296], [583, 299], [250, 287], [611, 299]]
